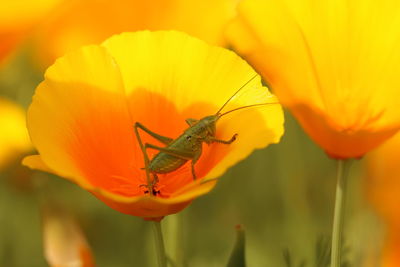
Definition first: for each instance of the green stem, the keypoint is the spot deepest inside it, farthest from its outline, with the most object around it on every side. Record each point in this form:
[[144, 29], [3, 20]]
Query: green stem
[[159, 242], [340, 204], [174, 234]]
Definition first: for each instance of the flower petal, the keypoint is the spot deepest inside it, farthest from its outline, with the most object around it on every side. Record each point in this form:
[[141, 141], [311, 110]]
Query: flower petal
[[76, 115], [339, 80], [91, 21], [383, 183], [35, 162], [16, 20], [63, 241], [155, 207], [14, 138], [143, 206], [98, 93], [383, 192]]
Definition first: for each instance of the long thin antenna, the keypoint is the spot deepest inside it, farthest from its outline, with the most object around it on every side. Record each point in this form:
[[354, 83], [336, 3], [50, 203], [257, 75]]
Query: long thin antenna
[[249, 106], [236, 93]]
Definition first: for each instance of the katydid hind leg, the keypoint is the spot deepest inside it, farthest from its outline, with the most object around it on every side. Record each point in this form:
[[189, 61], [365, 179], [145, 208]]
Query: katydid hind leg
[[139, 139], [150, 182], [163, 139]]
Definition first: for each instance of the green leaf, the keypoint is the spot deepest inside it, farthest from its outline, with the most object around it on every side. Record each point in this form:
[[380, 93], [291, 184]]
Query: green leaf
[[237, 258]]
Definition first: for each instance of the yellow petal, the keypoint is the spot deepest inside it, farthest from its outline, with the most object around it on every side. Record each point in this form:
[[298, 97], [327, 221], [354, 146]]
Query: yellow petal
[[14, 139], [35, 162], [81, 103]]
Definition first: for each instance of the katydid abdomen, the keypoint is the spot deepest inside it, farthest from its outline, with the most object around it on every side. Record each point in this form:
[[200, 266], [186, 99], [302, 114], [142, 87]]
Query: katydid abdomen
[[164, 163]]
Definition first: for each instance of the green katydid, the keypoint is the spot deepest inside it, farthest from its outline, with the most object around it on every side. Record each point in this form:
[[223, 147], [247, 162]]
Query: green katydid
[[188, 146]]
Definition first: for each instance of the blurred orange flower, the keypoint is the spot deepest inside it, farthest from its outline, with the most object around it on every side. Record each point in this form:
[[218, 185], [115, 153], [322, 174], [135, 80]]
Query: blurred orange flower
[[64, 243], [16, 20], [14, 138], [82, 115], [391, 250], [383, 191], [333, 63], [83, 22]]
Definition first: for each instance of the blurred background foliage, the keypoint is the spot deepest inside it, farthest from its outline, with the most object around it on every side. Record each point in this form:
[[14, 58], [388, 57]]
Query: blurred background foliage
[[283, 195]]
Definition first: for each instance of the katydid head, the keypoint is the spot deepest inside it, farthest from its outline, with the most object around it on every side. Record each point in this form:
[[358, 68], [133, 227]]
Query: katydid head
[[209, 125], [206, 127]]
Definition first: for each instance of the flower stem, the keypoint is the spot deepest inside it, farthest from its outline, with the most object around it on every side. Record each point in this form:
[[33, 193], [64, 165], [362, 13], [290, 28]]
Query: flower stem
[[159, 242], [340, 204]]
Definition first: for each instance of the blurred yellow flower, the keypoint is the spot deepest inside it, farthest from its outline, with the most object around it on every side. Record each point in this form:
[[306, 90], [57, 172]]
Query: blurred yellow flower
[[383, 191], [83, 22], [16, 20], [63, 241], [333, 63], [14, 138], [82, 115]]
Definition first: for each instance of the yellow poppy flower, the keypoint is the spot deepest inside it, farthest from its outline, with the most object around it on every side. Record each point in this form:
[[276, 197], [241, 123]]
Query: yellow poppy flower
[[17, 18], [383, 191], [334, 64], [82, 116], [14, 138], [86, 22], [64, 244]]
